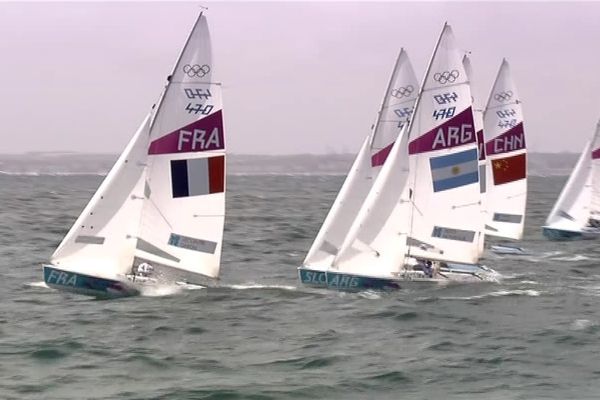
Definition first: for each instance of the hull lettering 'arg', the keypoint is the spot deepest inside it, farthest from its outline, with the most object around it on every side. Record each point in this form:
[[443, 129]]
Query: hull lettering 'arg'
[[158, 215]]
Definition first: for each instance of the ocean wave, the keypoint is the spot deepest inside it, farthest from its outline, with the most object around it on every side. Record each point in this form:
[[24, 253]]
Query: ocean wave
[[258, 286], [40, 284], [499, 293], [58, 173], [576, 257]]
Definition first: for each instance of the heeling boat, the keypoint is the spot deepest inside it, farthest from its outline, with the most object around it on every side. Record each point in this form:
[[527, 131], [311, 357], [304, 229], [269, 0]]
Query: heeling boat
[[158, 215], [425, 202], [482, 162], [576, 213], [506, 152], [392, 118]]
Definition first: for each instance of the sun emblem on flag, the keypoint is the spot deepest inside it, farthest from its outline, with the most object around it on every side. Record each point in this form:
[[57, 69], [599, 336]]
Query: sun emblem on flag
[[455, 170]]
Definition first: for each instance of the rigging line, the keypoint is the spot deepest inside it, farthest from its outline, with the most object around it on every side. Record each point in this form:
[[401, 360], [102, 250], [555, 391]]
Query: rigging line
[[516, 195], [445, 86], [467, 205], [161, 214], [503, 105]]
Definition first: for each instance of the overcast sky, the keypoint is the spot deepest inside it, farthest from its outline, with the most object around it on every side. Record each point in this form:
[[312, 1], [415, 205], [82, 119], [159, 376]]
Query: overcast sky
[[298, 77]]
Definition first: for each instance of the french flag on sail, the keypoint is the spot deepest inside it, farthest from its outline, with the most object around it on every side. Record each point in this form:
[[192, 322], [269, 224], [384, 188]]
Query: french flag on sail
[[454, 170], [198, 176]]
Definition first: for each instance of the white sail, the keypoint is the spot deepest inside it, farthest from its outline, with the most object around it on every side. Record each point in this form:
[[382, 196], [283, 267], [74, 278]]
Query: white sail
[[572, 209], [478, 120], [376, 242], [393, 115], [164, 200], [505, 150], [443, 181], [183, 216], [595, 172], [101, 242], [579, 200]]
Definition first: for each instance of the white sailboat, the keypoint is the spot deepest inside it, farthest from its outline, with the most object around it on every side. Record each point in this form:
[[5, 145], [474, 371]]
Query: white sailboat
[[576, 213], [393, 116], [159, 213], [425, 202], [506, 159], [478, 121]]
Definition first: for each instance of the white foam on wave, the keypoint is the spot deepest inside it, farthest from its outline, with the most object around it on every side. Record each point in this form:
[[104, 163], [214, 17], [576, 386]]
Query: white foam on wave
[[41, 284], [161, 290], [258, 286], [581, 324], [369, 295], [576, 257], [499, 293]]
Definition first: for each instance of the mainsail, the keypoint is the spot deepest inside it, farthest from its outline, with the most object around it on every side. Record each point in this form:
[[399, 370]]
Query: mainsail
[[393, 116], [580, 198], [427, 191], [478, 120], [164, 200], [444, 221], [506, 152]]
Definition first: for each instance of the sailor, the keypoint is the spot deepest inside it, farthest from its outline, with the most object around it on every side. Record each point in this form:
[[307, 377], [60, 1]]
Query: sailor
[[428, 269], [144, 269]]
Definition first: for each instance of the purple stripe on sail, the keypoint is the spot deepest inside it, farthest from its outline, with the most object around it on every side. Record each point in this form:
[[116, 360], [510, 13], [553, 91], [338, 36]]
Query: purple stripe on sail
[[481, 145], [511, 140], [379, 158], [596, 154], [201, 135], [457, 131]]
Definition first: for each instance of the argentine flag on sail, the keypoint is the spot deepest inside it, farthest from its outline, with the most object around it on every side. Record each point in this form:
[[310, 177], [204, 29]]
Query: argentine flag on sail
[[454, 170]]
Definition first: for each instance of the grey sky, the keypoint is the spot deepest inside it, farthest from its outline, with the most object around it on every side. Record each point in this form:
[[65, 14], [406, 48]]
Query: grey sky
[[298, 77]]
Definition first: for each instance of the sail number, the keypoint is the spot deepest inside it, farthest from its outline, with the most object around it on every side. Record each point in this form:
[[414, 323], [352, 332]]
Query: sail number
[[198, 95], [405, 112], [444, 113], [446, 98]]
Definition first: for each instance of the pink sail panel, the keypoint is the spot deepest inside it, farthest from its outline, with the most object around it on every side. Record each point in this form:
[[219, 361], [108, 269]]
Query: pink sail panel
[[379, 158], [457, 131], [481, 145], [511, 140], [201, 135], [596, 154]]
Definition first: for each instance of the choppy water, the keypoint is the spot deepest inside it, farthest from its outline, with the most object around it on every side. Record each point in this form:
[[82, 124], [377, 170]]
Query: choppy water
[[260, 335]]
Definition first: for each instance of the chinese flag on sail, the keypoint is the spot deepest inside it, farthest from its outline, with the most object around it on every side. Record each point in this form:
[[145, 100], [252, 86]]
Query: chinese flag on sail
[[509, 169]]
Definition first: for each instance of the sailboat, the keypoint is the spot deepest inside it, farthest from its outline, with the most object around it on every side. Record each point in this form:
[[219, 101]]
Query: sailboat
[[506, 162], [576, 213], [392, 118], [478, 123], [158, 215], [424, 205]]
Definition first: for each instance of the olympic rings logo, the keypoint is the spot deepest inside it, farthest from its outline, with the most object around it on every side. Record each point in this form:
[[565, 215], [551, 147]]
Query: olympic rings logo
[[196, 70], [446, 76], [403, 91], [503, 96]]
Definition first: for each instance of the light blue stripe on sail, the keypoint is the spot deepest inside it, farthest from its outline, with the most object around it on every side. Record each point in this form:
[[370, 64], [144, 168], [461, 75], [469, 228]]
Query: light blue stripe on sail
[[454, 170]]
